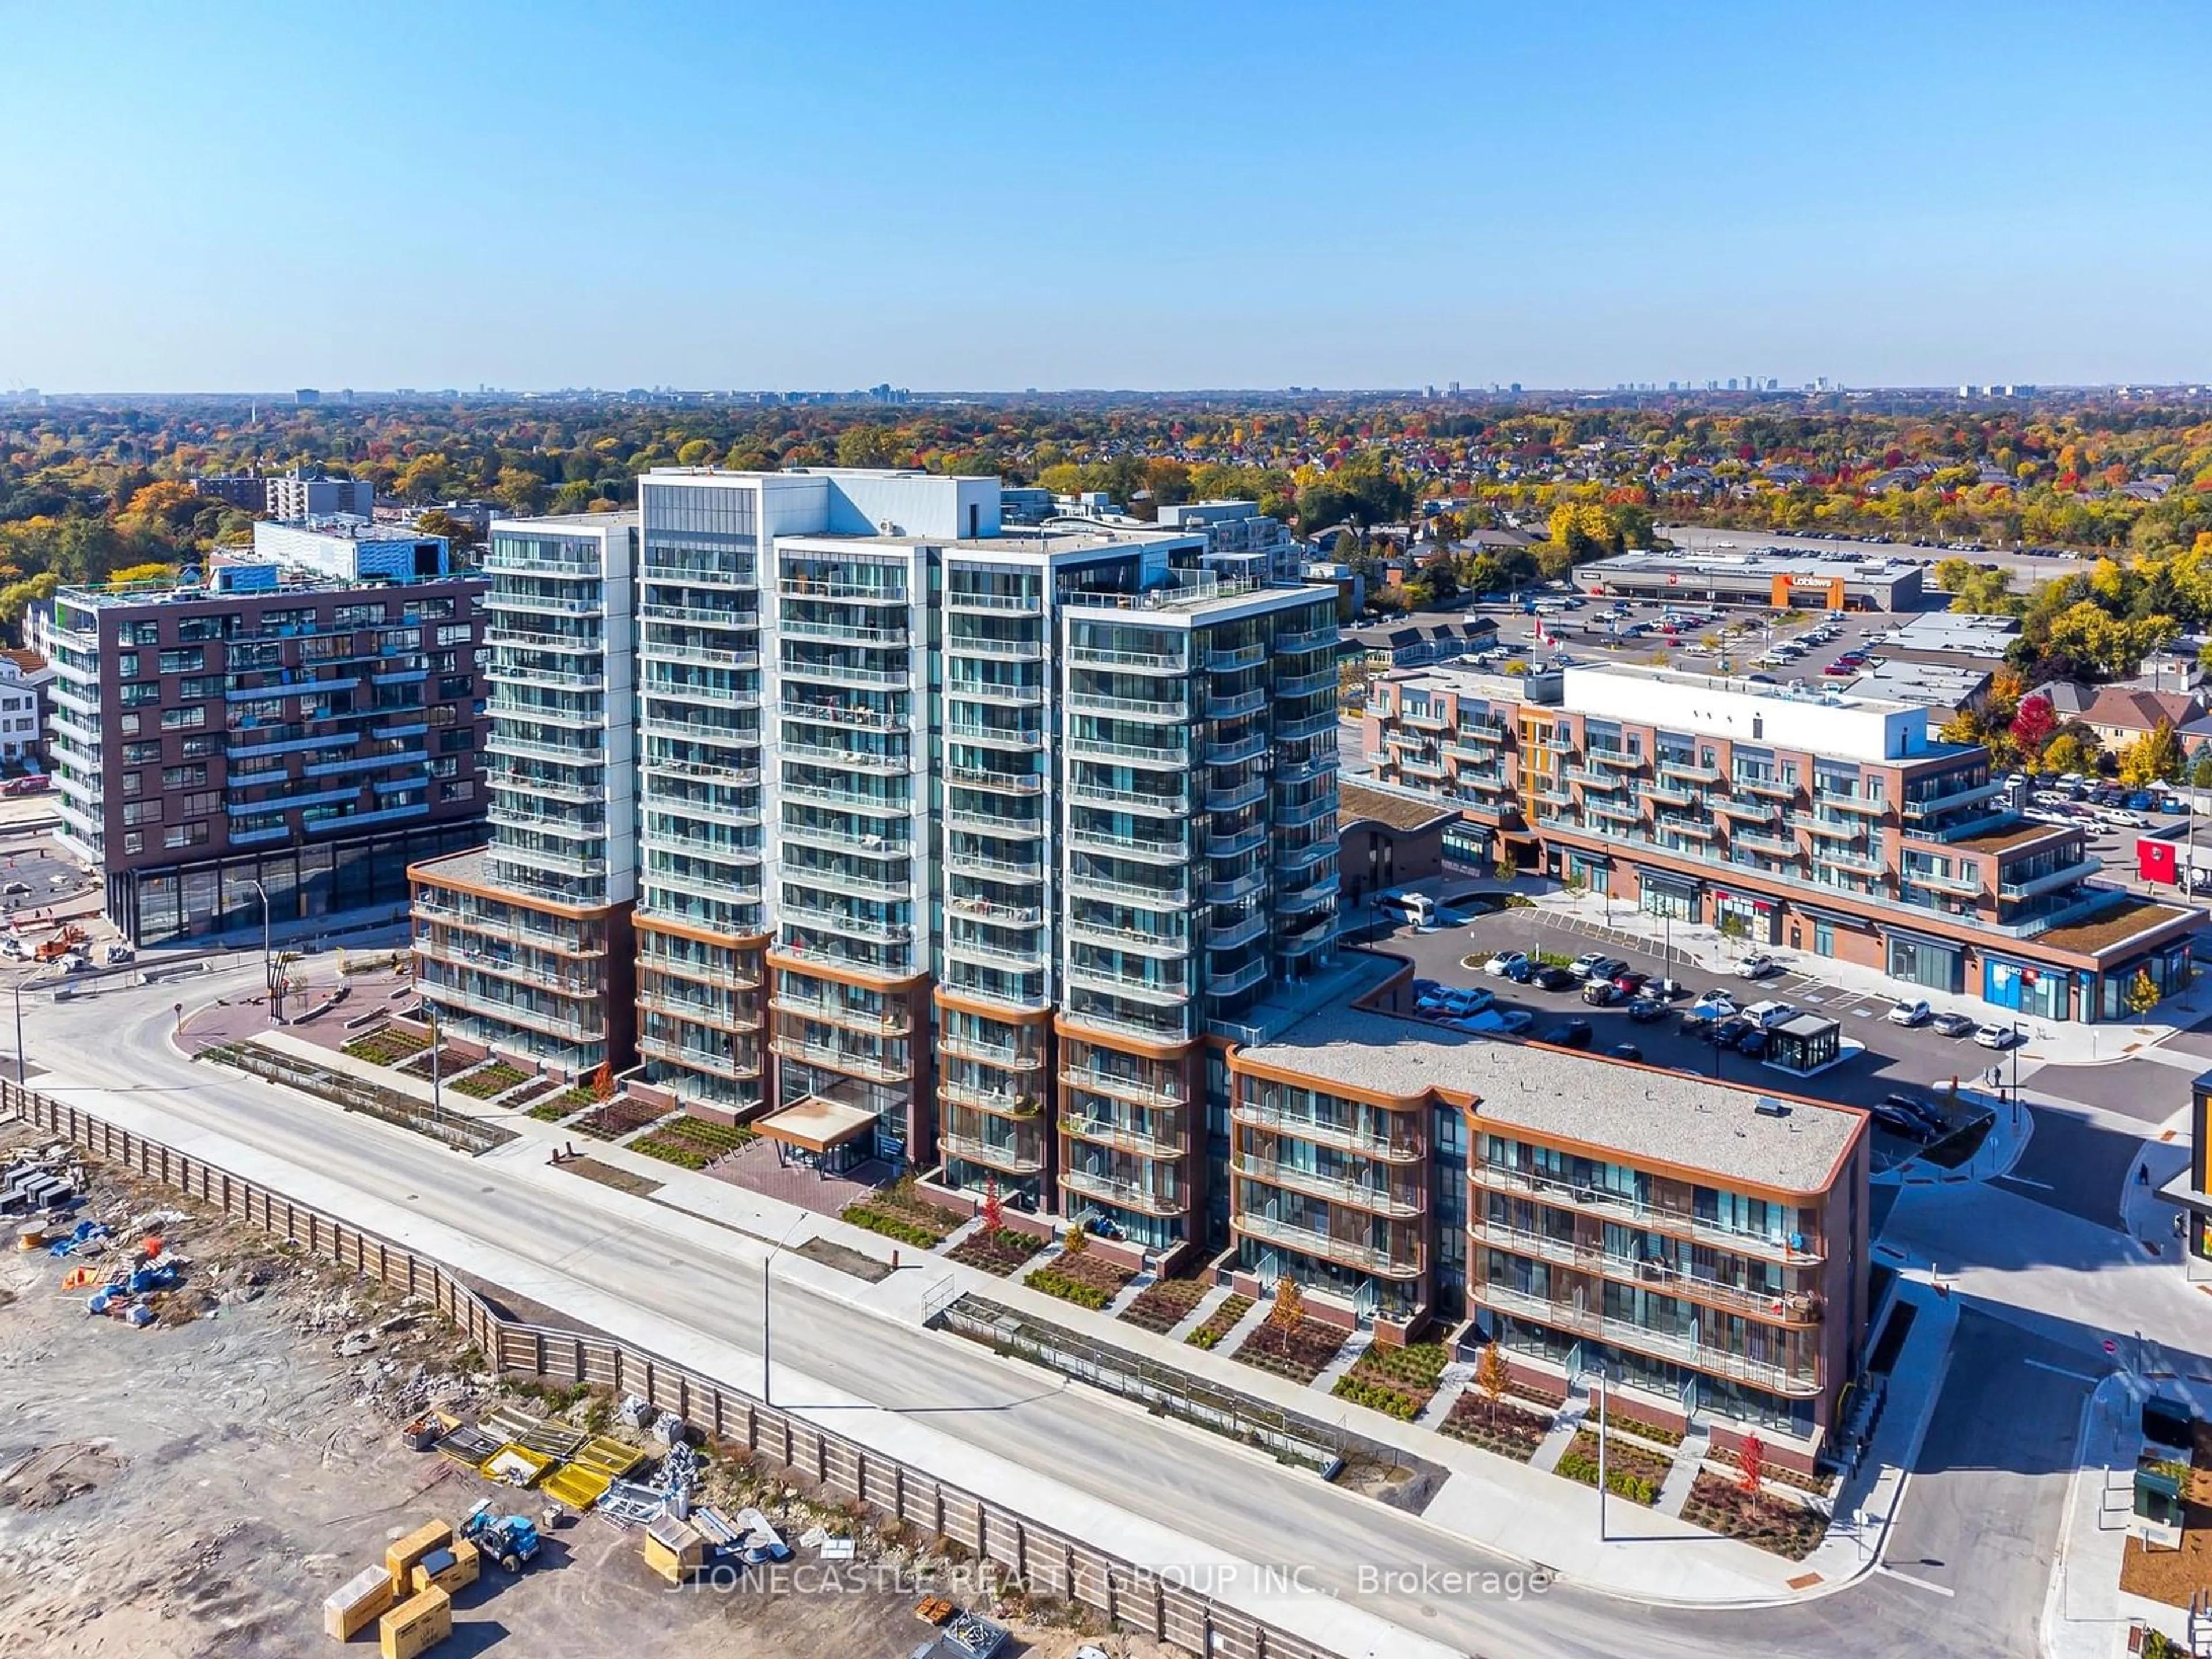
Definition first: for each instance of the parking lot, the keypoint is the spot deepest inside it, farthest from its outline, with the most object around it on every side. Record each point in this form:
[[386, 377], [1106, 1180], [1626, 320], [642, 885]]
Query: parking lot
[[1894, 1059]]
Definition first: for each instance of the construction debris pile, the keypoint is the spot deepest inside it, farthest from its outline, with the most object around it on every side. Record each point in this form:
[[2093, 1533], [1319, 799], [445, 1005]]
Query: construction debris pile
[[125, 1269]]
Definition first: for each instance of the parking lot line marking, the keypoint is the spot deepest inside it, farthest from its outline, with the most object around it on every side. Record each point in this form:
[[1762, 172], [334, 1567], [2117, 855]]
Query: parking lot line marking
[[1917, 1584], [2023, 1181], [2059, 1371]]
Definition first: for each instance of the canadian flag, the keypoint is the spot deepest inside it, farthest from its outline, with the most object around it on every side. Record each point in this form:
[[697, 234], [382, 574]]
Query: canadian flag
[[1541, 636]]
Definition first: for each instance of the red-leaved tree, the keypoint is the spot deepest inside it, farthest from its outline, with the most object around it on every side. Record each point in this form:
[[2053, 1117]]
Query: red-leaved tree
[[1753, 1464], [995, 1213], [2034, 725]]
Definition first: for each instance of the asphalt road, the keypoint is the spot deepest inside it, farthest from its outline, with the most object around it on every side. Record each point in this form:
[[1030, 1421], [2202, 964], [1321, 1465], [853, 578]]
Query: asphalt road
[[1096, 1449]]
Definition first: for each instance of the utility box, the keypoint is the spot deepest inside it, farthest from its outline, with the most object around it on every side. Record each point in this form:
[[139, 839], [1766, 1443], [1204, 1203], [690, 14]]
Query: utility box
[[401, 1555], [416, 1625], [2157, 1510], [353, 1605], [449, 1569]]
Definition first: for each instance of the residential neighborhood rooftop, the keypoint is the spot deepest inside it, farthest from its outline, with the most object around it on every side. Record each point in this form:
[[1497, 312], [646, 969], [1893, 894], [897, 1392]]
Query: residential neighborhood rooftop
[[1646, 1114]]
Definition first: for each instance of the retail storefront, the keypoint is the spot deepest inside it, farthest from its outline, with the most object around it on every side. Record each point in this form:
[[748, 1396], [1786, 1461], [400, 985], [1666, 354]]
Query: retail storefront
[[2108, 994], [2025, 986], [1933, 964], [1662, 893], [1748, 917]]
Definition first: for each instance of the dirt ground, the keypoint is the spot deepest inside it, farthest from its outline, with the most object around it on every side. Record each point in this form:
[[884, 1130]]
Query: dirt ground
[[199, 1485]]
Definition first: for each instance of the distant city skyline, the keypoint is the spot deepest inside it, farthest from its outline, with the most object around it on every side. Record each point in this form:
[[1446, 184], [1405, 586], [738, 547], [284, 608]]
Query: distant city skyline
[[1234, 197]]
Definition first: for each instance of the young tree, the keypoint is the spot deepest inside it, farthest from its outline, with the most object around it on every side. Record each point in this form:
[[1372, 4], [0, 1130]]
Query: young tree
[[2154, 757], [1289, 1307], [1491, 1377], [1509, 867], [995, 1213], [603, 1081], [1752, 1465], [1077, 1242], [2142, 995], [2200, 772], [2068, 753]]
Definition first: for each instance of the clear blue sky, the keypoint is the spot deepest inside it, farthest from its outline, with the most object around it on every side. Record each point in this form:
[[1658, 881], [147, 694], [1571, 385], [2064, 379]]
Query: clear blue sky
[[950, 195]]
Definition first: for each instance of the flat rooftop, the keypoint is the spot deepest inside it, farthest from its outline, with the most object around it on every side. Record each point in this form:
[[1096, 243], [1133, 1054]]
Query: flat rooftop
[[1357, 802], [2008, 837], [1807, 693], [1933, 684], [1770, 562], [1953, 634], [1646, 1115], [2138, 919], [628, 517], [290, 579]]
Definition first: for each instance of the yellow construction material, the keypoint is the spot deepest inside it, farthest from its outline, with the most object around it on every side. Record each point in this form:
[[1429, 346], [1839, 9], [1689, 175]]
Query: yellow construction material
[[416, 1625], [575, 1485], [399, 1559], [448, 1569], [517, 1459], [604, 1455], [349, 1609], [674, 1549]]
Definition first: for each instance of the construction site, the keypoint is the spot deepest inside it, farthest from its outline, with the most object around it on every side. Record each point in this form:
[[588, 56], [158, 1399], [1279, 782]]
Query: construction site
[[216, 1441]]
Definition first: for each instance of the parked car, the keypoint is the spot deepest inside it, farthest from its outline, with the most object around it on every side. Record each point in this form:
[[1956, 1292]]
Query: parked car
[[1506, 962], [1575, 1034], [1731, 1031], [1757, 965], [1667, 989], [1602, 993], [1909, 1013], [1552, 979], [15, 888], [1632, 980], [1644, 1009], [1695, 1023], [1625, 1051], [1752, 1043], [30, 784], [1951, 1026], [1716, 1005], [1899, 1123], [1923, 1111], [1996, 1036], [1513, 1022], [1595, 964]]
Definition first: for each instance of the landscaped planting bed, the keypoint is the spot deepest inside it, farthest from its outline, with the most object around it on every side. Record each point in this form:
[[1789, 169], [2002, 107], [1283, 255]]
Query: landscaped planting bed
[[1301, 1353], [1630, 1471], [487, 1081], [1820, 1485], [385, 1046], [1511, 1432], [424, 1066], [693, 1143], [1160, 1308], [1396, 1381], [1220, 1323], [617, 1118], [1537, 1394], [999, 1252], [1087, 1280], [1774, 1524], [896, 1212], [1642, 1428]]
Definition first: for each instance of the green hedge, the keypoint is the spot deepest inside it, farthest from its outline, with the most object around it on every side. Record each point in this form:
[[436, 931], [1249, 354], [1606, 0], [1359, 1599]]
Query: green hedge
[[1375, 1397], [1634, 1487], [1053, 1282], [891, 1226]]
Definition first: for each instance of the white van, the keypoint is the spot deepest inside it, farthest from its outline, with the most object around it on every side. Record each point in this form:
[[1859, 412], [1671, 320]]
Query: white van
[[1418, 909], [1764, 1014]]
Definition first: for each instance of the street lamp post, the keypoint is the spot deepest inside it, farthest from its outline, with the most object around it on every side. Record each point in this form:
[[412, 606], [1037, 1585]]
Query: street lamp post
[[1603, 1381], [437, 1070], [268, 961], [767, 1262]]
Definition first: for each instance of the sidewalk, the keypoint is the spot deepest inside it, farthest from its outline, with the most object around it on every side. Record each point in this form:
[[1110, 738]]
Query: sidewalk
[[2060, 1043], [2086, 1615], [1515, 1510]]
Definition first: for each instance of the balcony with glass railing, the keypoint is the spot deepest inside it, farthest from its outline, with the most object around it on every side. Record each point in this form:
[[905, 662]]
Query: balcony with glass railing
[[1791, 1249], [737, 1062], [1156, 1136], [2019, 886], [1802, 1381], [1405, 1257], [1826, 800], [1656, 1274], [1007, 694], [1400, 1199], [1156, 711], [1017, 1153], [987, 602], [853, 1060], [1151, 1189]]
